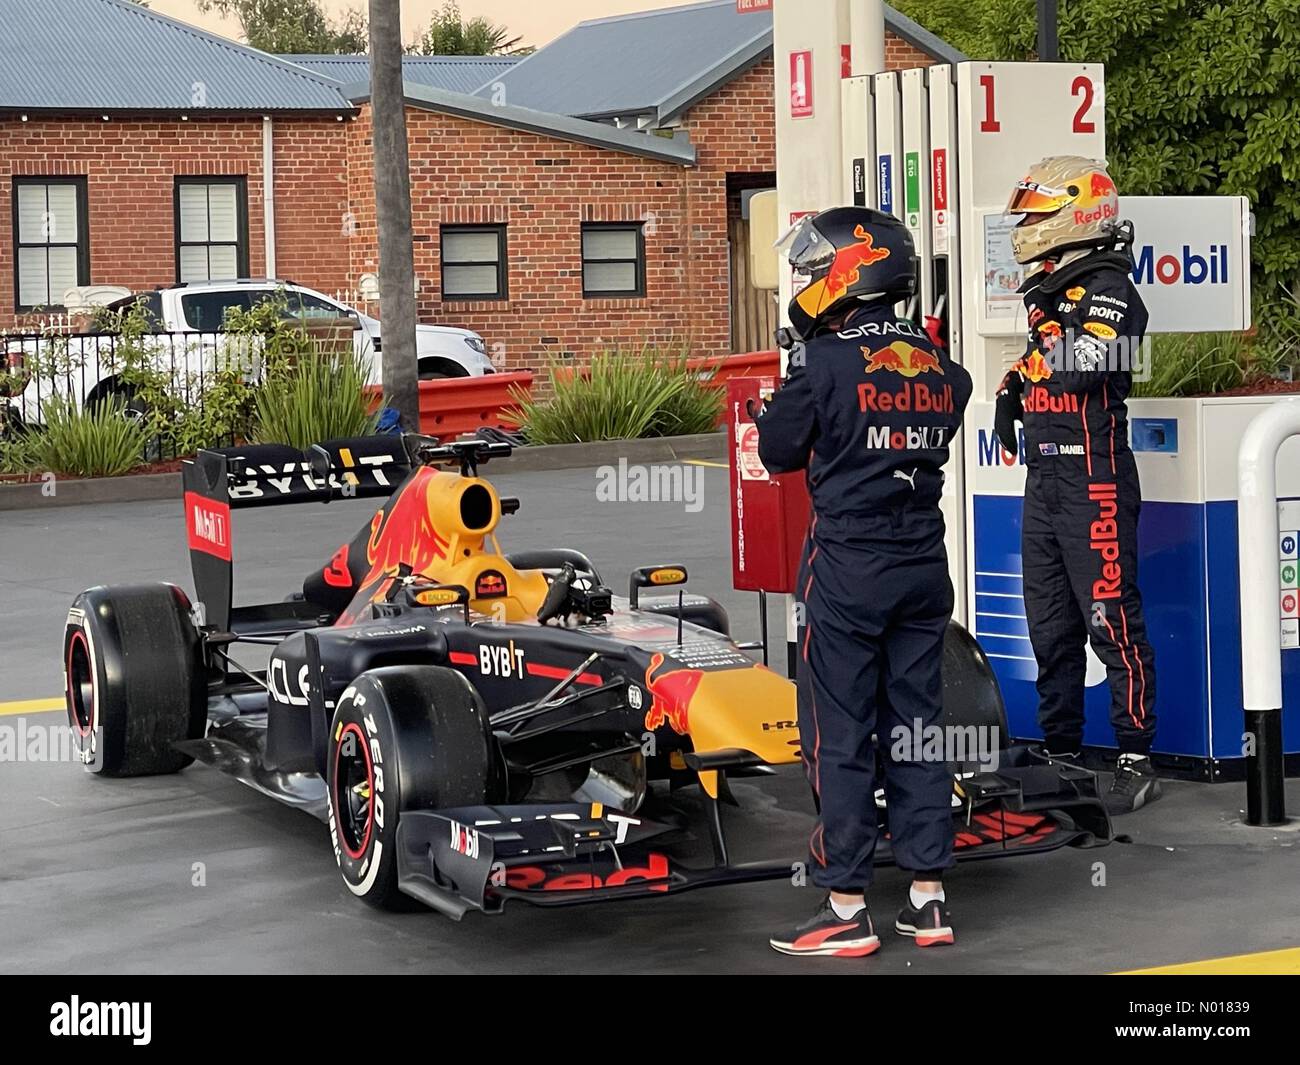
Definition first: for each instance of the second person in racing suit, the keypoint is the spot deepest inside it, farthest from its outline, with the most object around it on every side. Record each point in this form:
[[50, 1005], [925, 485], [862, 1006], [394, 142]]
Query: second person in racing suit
[[1082, 496], [869, 409]]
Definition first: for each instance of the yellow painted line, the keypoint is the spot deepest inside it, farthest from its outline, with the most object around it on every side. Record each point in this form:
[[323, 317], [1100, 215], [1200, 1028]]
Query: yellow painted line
[[705, 462], [31, 706], [1266, 963]]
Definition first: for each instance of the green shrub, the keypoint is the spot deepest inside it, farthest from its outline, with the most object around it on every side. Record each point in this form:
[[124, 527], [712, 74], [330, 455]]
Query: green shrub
[[625, 395], [99, 441], [313, 398], [182, 410], [1210, 363], [15, 456]]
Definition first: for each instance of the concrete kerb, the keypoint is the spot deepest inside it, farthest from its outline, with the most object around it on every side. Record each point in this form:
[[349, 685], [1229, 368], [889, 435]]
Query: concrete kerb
[[706, 447]]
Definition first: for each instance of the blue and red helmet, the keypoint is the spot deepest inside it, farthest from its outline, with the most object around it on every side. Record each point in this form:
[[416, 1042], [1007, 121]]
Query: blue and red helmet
[[850, 255]]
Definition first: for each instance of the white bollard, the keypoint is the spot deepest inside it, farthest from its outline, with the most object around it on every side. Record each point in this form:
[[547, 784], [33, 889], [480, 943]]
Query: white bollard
[[1261, 631]]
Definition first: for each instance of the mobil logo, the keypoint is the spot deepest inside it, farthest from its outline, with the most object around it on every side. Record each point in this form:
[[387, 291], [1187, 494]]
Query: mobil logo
[[1184, 266], [992, 453]]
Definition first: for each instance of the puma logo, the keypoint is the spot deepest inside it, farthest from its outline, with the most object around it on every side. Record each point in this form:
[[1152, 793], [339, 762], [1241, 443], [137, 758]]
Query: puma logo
[[910, 478]]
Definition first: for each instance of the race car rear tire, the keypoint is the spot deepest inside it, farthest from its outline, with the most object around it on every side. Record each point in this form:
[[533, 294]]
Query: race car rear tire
[[134, 682], [402, 738]]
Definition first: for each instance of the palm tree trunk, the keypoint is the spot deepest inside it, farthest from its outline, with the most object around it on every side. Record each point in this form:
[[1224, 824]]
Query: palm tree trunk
[[393, 212]]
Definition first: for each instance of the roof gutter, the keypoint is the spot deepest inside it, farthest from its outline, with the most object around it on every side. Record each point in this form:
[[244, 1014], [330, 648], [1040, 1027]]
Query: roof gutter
[[677, 151]]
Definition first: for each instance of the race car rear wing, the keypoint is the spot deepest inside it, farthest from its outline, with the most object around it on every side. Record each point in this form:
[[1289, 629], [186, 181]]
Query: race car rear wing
[[215, 482]]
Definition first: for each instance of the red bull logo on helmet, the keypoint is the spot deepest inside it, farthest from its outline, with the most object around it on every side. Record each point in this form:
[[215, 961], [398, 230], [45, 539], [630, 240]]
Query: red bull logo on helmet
[[844, 271], [900, 357], [1101, 213]]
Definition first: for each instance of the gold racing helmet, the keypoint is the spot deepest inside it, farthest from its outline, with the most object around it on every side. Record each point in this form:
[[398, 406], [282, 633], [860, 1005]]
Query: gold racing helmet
[[1066, 202]]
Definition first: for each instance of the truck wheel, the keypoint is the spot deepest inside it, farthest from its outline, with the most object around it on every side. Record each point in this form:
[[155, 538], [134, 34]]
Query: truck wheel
[[134, 679], [439, 369], [402, 738], [132, 405]]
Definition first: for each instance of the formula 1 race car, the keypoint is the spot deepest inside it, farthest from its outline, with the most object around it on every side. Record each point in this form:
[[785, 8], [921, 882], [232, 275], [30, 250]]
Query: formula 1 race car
[[475, 726]]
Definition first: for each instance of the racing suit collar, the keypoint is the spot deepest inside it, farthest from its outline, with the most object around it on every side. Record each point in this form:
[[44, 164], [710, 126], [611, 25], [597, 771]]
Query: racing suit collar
[[1051, 283], [883, 307]]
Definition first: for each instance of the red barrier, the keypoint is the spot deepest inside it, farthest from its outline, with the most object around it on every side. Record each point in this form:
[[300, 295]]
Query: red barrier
[[459, 405], [723, 367], [746, 364]]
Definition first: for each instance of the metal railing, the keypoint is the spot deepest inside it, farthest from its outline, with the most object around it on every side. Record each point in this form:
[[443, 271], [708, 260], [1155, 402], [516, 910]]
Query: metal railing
[[87, 368]]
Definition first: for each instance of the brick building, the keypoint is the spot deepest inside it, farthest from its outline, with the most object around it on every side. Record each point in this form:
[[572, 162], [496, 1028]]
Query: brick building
[[588, 195]]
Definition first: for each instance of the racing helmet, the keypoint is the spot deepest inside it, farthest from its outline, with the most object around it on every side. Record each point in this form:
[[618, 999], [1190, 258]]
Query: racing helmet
[[1067, 202], [850, 255]]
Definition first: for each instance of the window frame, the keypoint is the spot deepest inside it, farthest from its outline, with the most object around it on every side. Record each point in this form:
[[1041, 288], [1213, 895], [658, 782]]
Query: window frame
[[498, 229], [82, 244], [636, 293], [241, 223]]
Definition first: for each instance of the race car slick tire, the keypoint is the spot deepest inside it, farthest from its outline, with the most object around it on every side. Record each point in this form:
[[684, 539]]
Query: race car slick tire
[[971, 695], [402, 738], [134, 682]]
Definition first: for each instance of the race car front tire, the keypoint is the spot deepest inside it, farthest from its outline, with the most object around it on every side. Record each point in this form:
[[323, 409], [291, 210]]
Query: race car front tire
[[134, 682], [971, 695], [402, 738]]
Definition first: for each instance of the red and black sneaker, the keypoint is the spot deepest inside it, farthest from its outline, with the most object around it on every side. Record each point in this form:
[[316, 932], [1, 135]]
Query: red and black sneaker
[[929, 926], [826, 934]]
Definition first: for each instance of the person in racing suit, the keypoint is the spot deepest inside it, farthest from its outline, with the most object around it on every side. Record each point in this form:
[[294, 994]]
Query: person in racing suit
[[869, 409], [1082, 496]]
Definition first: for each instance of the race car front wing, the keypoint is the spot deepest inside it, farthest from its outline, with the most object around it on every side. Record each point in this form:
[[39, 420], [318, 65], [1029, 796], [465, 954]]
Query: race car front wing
[[480, 857], [556, 854]]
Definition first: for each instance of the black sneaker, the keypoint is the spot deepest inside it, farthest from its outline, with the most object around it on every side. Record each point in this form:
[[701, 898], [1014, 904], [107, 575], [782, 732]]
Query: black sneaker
[[930, 926], [1135, 785], [826, 934]]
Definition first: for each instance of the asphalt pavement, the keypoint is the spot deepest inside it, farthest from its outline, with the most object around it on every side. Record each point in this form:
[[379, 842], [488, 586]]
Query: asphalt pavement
[[196, 873]]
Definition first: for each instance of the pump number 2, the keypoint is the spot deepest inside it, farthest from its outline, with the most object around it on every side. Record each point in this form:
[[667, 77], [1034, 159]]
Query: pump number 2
[[1082, 89]]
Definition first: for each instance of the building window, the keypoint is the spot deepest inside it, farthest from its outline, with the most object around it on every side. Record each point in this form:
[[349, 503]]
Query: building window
[[613, 259], [473, 262], [211, 229], [51, 240]]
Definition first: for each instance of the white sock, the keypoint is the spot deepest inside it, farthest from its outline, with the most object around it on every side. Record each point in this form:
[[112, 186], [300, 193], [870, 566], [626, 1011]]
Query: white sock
[[846, 911], [920, 898]]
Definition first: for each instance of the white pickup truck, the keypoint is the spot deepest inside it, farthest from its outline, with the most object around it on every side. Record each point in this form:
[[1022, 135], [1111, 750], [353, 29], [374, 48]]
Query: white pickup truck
[[189, 320]]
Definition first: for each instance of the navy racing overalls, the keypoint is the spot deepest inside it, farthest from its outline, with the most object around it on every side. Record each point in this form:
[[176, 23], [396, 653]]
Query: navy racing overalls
[[1082, 498], [870, 412]]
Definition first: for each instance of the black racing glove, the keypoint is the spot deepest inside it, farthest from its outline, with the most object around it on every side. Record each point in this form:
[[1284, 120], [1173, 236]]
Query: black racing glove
[[1009, 410]]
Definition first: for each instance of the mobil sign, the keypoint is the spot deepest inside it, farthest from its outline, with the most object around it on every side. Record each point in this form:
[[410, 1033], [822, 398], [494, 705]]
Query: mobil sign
[[1191, 259]]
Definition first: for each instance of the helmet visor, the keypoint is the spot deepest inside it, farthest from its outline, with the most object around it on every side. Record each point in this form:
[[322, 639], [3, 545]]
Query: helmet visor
[[1029, 197], [804, 246]]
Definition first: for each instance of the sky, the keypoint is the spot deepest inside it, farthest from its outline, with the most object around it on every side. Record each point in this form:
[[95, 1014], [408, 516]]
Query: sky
[[536, 21]]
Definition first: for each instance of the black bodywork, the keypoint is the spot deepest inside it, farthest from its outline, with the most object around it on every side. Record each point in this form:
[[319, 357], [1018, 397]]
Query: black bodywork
[[569, 707]]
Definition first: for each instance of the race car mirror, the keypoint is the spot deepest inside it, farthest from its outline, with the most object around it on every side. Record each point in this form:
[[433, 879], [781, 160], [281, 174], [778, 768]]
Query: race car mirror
[[654, 576], [318, 461]]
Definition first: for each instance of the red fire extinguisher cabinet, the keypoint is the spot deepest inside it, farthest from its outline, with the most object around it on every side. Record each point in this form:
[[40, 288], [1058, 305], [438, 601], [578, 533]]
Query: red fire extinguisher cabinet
[[769, 512]]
